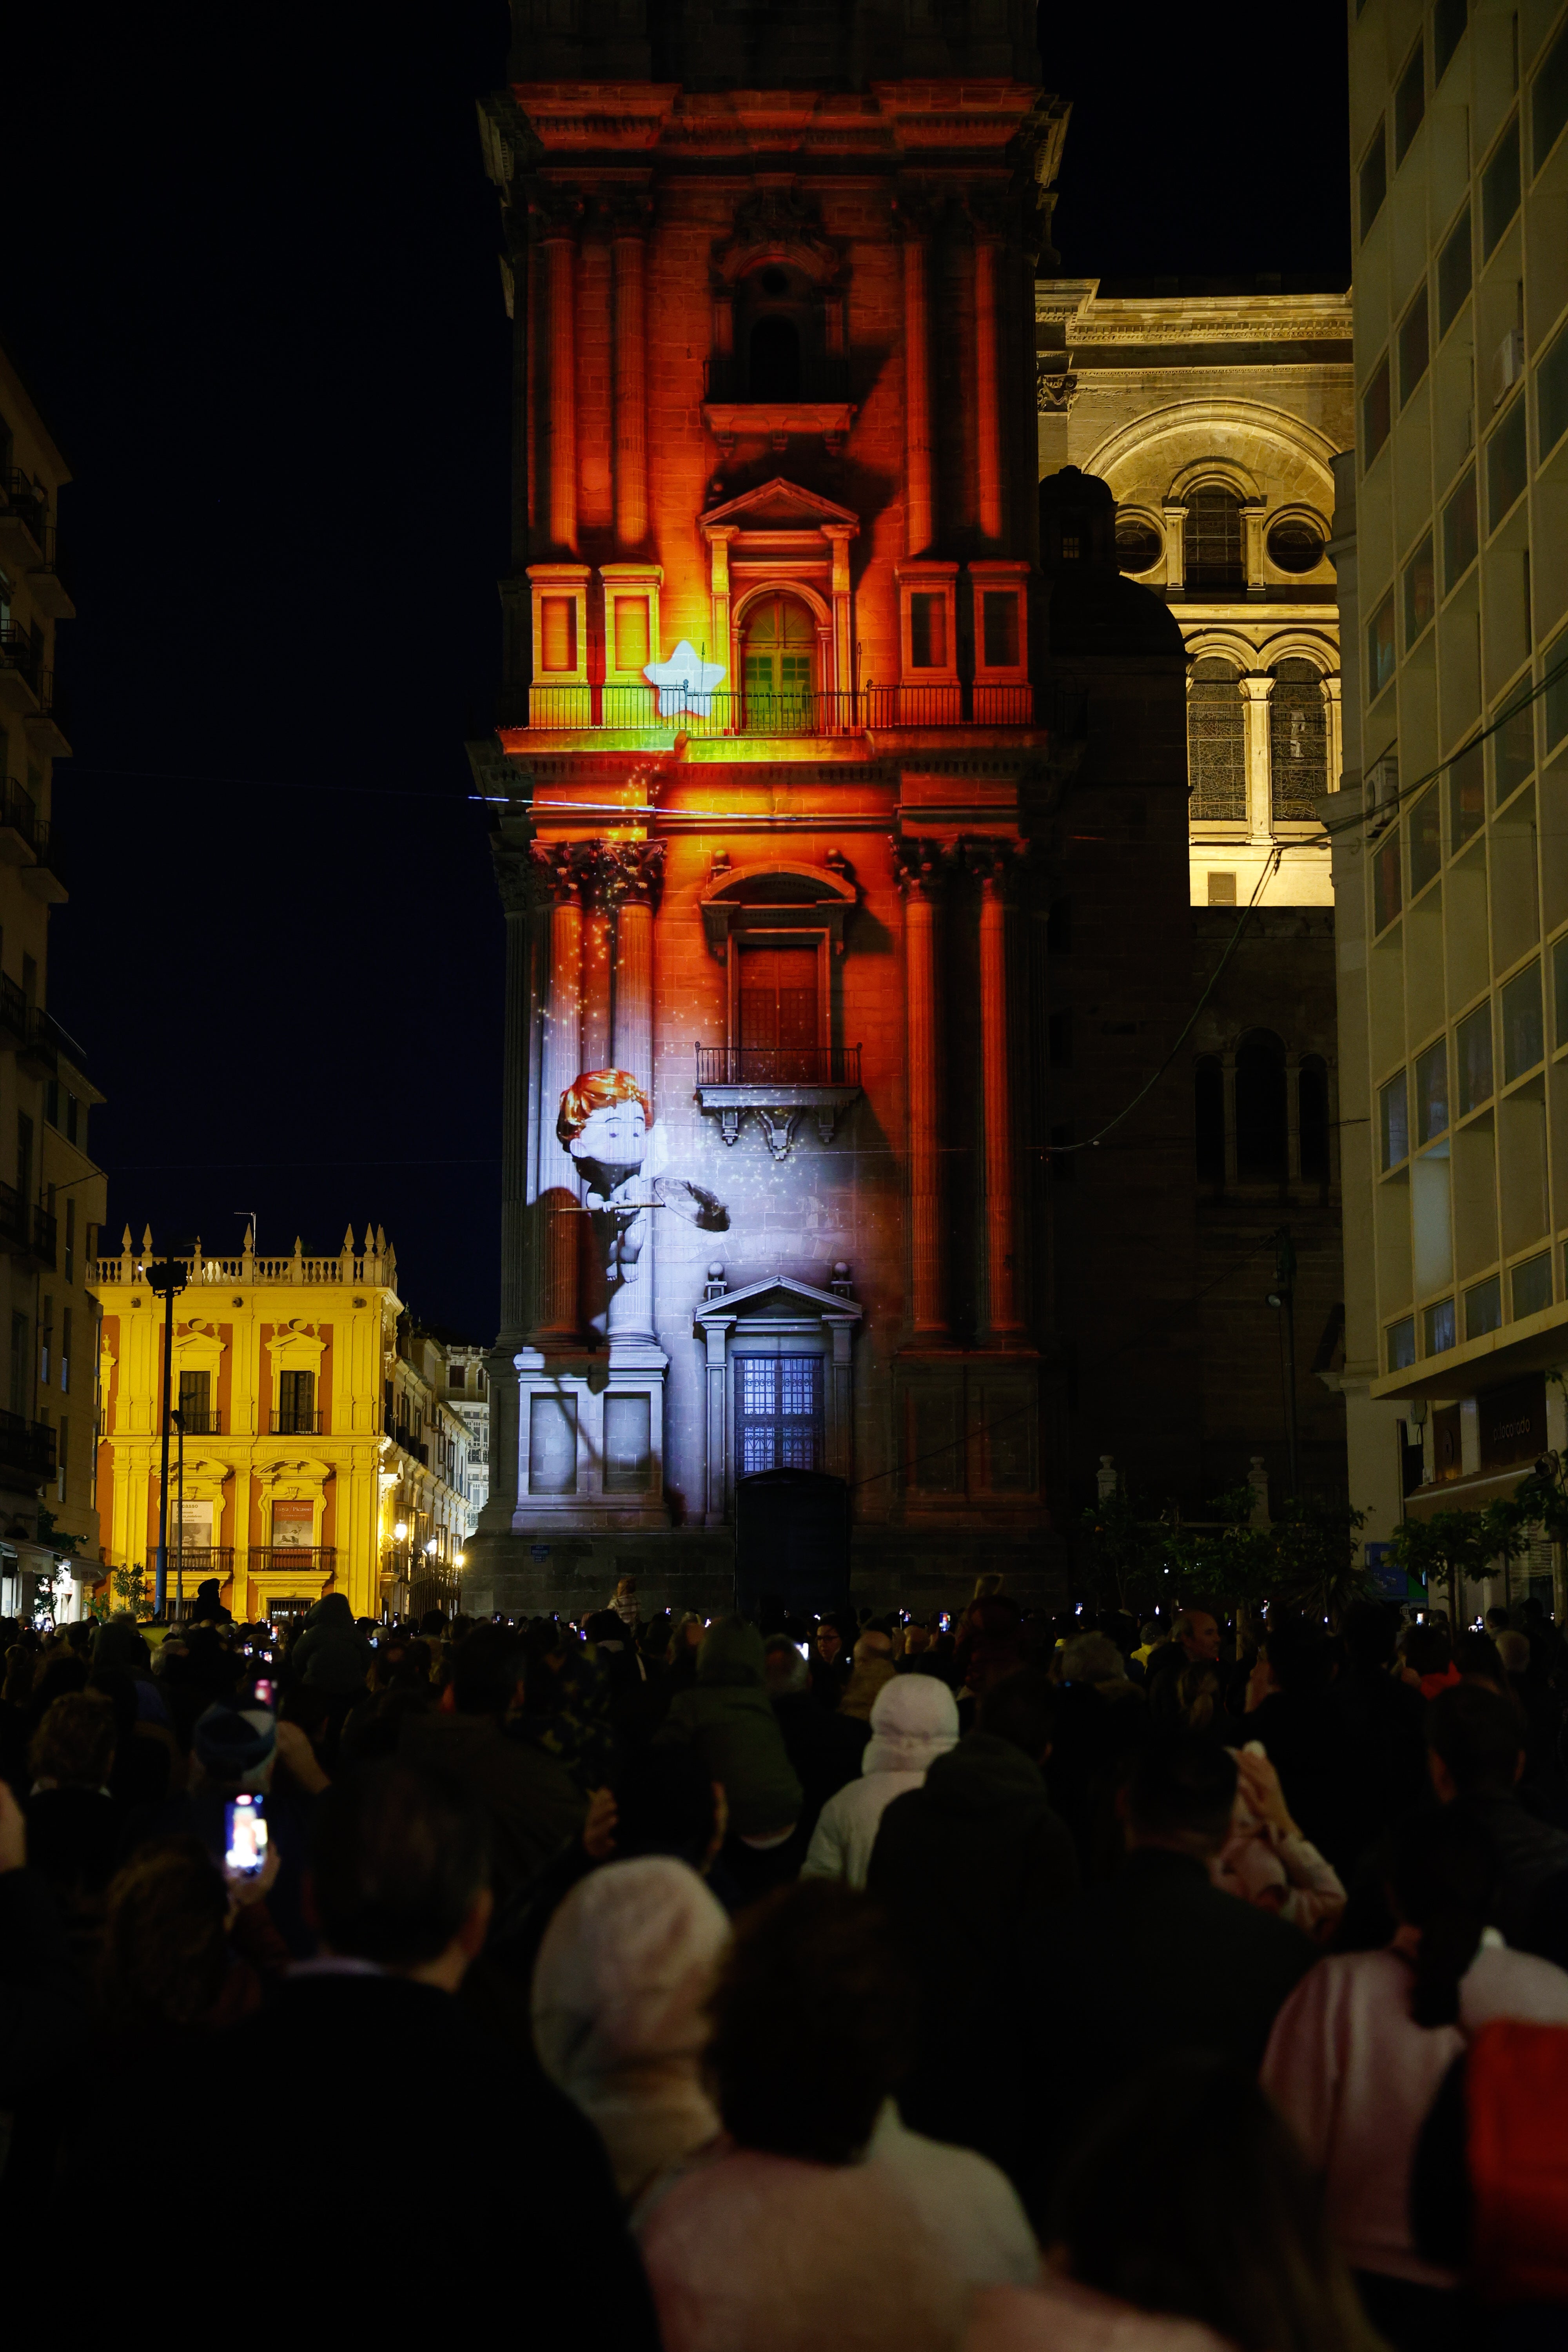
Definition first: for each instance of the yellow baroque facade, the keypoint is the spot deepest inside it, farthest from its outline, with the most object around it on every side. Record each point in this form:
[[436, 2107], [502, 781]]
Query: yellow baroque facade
[[308, 1465]]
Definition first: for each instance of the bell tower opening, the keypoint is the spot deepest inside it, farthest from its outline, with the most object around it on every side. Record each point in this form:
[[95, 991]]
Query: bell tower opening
[[778, 666]]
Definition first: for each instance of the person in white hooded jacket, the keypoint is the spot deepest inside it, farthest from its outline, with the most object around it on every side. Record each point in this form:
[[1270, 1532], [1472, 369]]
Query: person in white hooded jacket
[[914, 1720]]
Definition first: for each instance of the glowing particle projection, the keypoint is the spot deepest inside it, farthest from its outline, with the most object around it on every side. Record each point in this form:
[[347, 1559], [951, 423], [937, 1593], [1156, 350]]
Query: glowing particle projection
[[685, 682]]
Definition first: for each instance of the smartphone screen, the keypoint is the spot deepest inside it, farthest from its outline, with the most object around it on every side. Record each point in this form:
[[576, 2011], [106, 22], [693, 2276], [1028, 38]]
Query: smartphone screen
[[945, 1622], [244, 1834], [265, 1691]]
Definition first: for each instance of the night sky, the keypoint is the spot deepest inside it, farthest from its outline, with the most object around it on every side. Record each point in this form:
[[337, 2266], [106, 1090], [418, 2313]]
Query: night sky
[[251, 279]]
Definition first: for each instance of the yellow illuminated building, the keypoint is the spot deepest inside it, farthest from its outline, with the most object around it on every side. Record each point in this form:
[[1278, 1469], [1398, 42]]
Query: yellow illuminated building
[[317, 1456]]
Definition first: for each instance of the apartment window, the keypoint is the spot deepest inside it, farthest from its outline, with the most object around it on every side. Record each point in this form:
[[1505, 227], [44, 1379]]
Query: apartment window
[[1448, 20], [1531, 1285], [1402, 1344], [1513, 743], [46, 1341], [1372, 180], [1426, 841], [1467, 796], [1217, 743], [1312, 1118], [1394, 1117], [1483, 1308], [1554, 702], [1507, 465], [1376, 414], [195, 1403], [1298, 741], [456, 1379], [1208, 1109], [1500, 189], [1454, 273], [62, 1456], [1551, 392], [1380, 648], [1432, 1091], [1550, 100], [71, 1240], [1437, 1328], [1409, 104], [1387, 895], [296, 1405], [1415, 346], [1461, 532], [1419, 586], [1523, 1043], [65, 1352], [1473, 1053]]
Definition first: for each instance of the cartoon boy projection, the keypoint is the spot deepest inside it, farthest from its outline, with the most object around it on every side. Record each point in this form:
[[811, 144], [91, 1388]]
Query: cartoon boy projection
[[604, 1124]]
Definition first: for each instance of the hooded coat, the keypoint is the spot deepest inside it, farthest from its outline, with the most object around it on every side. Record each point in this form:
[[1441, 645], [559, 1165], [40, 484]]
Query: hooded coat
[[623, 1973], [728, 1717], [914, 1719], [332, 1654]]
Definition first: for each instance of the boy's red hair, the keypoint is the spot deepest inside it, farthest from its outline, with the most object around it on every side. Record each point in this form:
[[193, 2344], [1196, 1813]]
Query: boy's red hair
[[597, 1090]]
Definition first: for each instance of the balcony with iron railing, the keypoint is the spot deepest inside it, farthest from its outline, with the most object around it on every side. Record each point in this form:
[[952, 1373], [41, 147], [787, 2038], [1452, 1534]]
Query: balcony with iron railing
[[26, 1449], [779, 1084], [26, 841], [24, 517], [200, 1421], [294, 1421], [49, 581], [294, 1559], [25, 1229], [868, 709]]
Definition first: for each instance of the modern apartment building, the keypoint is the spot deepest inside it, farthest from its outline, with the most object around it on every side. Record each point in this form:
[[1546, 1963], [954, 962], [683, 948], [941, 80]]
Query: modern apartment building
[[1451, 836], [51, 1194], [467, 1394]]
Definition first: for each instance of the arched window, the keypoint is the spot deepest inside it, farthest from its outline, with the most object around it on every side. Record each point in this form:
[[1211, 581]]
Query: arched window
[[1216, 742], [1312, 1118], [774, 356], [1261, 1150], [1213, 540], [1298, 740], [1208, 1108], [778, 666]]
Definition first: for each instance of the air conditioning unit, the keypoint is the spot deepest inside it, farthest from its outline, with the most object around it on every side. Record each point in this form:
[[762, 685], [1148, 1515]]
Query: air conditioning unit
[[1508, 365], [1383, 782]]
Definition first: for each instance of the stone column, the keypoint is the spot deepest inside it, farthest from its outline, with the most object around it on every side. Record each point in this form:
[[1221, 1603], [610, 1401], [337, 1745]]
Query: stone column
[[717, 1381], [839, 535], [1336, 760], [559, 243], [919, 483], [640, 866], [628, 249], [597, 966], [558, 1194], [1256, 692], [515, 879], [987, 405], [1003, 1320], [1175, 516], [918, 873], [718, 599]]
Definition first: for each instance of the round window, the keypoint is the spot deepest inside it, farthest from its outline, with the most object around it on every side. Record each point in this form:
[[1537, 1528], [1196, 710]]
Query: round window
[[1294, 545], [1139, 545]]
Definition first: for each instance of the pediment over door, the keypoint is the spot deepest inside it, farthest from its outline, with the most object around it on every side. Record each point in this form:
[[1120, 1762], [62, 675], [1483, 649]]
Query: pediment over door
[[780, 505]]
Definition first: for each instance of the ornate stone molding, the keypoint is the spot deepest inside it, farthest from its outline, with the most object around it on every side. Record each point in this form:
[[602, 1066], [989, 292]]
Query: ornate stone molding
[[1056, 387]]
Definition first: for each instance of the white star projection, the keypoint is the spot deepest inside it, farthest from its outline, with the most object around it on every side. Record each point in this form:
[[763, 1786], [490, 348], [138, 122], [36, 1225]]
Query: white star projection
[[685, 682]]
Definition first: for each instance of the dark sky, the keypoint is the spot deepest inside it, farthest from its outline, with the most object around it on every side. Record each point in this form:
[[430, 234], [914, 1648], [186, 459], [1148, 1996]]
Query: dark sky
[[250, 277]]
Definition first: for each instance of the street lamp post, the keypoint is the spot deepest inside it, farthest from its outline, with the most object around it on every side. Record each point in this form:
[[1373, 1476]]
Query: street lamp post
[[178, 1419], [164, 1278]]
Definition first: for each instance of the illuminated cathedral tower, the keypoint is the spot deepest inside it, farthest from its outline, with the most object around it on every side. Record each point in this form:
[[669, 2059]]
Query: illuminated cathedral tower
[[797, 750]]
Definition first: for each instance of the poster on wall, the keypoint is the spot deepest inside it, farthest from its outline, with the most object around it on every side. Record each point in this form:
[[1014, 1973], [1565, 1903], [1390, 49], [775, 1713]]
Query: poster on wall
[[293, 1527], [192, 1530]]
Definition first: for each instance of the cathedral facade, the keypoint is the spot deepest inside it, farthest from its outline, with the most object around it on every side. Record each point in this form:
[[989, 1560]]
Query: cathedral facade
[[823, 733]]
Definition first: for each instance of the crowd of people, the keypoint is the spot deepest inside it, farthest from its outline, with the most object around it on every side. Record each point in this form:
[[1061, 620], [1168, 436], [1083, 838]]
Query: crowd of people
[[1011, 1983]]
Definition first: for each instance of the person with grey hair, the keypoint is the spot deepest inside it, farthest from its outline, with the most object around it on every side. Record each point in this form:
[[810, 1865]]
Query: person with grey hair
[[1092, 1658]]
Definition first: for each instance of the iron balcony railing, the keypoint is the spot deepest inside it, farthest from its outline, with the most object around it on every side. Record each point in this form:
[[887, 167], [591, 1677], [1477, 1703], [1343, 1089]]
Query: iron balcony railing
[[19, 812], [774, 1065], [205, 1421], [27, 1447], [25, 1229], [22, 498], [307, 1559], [562, 709], [22, 650], [294, 1421], [197, 1561]]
